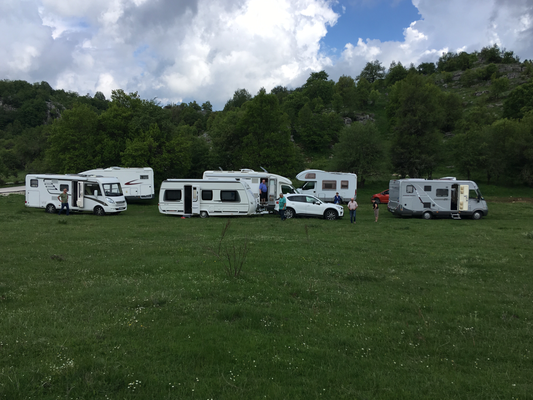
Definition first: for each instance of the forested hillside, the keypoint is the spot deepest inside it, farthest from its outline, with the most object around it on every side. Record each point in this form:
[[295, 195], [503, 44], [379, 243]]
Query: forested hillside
[[471, 112]]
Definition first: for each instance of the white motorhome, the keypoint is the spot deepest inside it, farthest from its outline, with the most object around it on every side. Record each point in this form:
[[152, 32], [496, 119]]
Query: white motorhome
[[206, 198], [438, 198], [95, 194], [276, 184], [324, 185], [137, 183]]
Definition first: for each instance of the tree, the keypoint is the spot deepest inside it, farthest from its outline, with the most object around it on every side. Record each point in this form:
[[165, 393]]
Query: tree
[[360, 150], [372, 72], [318, 86], [519, 102], [240, 97], [346, 89], [426, 68], [415, 115], [397, 72]]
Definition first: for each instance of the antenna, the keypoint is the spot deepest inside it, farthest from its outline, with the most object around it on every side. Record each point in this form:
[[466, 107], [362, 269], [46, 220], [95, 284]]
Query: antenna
[[220, 169], [263, 169]]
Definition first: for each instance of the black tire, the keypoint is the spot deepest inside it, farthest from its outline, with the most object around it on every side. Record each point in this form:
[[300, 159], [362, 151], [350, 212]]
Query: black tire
[[477, 215], [289, 213], [330, 214], [376, 200], [427, 215], [51, 209], [204, 214], [99, 211]]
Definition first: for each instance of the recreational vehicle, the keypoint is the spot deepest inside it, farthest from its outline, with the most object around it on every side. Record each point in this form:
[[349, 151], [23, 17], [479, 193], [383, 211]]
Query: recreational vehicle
[[439, 198], [96, 194], [276, 184], [324, 185], [206, 198], [137, 183]]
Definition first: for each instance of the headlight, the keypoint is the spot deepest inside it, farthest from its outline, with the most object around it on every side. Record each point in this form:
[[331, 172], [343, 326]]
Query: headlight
[[110, 200]]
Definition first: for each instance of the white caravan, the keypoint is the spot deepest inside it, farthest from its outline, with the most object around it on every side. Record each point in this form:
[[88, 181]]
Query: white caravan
[[98, 195], [206, 198], [324, 185], [439, 198], [276, 184], [137, 183]]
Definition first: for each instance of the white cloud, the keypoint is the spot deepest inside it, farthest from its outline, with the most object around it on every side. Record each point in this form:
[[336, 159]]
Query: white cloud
[[201, 50]]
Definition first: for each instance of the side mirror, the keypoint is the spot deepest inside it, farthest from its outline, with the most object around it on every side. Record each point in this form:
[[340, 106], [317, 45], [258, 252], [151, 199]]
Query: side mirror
[[96, 193]]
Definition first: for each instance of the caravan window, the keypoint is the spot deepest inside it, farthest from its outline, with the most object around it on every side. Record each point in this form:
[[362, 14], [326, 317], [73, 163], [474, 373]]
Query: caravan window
[[442, 192], [207, 195], [172, 195], [229, 195], [344, 185], [409, 189], [34, 182], [63, 187], [310, 175], [329, 185], [427, 188], [144, 176]]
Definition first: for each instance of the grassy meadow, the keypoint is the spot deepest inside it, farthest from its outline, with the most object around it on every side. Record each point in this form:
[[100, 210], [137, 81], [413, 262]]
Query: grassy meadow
[[141, 305]]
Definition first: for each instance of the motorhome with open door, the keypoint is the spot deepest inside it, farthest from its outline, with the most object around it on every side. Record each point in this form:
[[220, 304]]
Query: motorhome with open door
[[95, 194], [206, 198], [276, 184], [137, 183], [438, 198], [324, 185]]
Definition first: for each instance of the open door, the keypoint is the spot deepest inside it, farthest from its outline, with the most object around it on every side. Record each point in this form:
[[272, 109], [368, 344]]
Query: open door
[[463, 197], [79, 190], [195, 200], [187, 191], [272, 191]]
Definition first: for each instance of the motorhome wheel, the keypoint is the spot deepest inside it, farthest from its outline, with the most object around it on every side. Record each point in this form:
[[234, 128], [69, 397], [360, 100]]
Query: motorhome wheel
[[330, 215], [99, 211], [289, 213], [427, 215], [204, 214], [51, 209], [476, 215]]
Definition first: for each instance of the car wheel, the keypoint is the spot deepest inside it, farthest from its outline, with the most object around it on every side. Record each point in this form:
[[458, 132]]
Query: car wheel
[[51, 209], [289, 213], [477, 215], [204, 214], [378, 201], [99, 211], [330, 215], [427, 215]]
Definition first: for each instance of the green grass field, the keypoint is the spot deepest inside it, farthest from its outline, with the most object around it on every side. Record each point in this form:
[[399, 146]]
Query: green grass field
[[138, 305]]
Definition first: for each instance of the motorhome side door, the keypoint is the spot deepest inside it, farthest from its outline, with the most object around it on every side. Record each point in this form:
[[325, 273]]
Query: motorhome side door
[[463, 197], [81, 191], [272, 191], [195, 200]]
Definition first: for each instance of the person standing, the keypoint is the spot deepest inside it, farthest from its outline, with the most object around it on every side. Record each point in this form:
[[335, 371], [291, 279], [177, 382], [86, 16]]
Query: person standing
[[352, 206], [63, 198], [263, 192], [282, 206], [375, 207], [337, 199]]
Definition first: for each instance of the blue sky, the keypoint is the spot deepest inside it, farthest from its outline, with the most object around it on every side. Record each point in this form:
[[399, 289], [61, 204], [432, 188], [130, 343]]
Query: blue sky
[[202, 50], [380, 20]]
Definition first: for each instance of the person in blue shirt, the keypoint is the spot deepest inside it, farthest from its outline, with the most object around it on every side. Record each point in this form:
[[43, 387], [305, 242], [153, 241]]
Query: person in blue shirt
[[263, 192], [282, 206], [337, 199]]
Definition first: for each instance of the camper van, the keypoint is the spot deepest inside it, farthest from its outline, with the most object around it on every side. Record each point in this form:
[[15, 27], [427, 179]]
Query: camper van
[[276, 184], [137, 183], [94, 194], [439, 198], [324, 185], [206, 198]]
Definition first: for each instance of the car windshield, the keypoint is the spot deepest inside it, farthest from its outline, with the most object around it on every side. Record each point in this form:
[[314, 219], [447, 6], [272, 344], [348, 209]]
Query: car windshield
[[112, 189]]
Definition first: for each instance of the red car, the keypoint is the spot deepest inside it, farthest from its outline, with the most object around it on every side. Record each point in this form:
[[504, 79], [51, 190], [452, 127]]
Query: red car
[[382, 197]]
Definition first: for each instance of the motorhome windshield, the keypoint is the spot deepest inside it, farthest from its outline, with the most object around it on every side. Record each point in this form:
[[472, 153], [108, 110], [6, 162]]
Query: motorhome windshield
[[287, 189], [112, 189], [308, 185]]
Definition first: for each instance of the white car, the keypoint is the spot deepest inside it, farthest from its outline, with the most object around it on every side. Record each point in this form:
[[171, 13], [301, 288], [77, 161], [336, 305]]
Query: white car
[[310, 206]]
